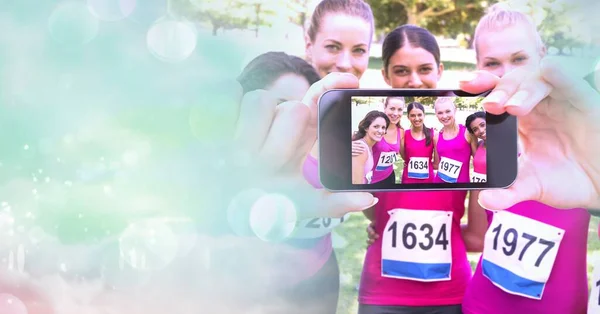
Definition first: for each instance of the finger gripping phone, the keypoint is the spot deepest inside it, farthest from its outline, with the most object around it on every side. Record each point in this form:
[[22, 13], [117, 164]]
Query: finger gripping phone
[[413, 139]]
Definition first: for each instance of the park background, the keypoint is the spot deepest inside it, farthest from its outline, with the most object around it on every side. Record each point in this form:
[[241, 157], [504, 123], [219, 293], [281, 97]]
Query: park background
[[277, 25], [107, 107]]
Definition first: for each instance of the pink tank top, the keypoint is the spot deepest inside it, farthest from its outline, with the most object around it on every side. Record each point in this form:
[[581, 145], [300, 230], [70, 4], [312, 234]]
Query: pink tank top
[[453, 153], [566, 290], [480, 166], [414, 149], [479, 160], [384, 155], [378, 290]]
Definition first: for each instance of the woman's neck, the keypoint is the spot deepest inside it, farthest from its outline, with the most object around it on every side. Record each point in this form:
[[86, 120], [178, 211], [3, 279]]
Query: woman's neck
[[453, 128], [369, 141], [414, 129]]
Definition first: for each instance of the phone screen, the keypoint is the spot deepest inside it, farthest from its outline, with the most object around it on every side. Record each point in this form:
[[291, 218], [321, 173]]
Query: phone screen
[[382, 140], [416, 140]]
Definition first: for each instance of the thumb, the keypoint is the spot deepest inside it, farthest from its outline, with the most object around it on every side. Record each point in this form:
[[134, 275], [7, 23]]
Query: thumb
[[336, 80]]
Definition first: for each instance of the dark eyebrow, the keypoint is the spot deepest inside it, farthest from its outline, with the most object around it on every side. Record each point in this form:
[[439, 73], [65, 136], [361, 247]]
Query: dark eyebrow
[[340, 44]]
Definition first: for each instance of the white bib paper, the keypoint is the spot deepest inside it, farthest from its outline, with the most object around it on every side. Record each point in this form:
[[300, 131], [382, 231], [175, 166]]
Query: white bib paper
[[478, 177], [316, 227], [449, 169], [416, 245], [418, 168], [386, 160], [594, 297], [519, 254]]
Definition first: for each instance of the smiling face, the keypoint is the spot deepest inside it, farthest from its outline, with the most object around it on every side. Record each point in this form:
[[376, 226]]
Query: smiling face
[[412, 67], [341, 45], [478, 126], [501, 51], [444, 110], [416, 117], [393, 109], [377, 129]]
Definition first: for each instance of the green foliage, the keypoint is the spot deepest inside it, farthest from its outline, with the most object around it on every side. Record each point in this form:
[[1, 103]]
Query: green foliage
[[227, 14], [442, 17]]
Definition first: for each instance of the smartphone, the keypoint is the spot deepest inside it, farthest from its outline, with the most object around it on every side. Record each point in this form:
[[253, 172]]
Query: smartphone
[[359, 151]]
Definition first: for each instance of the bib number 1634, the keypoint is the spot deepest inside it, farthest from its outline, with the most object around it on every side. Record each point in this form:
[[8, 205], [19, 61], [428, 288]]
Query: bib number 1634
[[424, 239], [416, 245]]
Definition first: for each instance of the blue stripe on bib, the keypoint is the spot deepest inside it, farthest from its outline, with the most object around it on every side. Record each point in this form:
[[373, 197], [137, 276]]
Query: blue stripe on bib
[[511, 281], [415, 270]]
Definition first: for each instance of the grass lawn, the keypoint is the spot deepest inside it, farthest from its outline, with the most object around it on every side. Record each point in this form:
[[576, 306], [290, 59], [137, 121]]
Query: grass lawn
[[351, 247]]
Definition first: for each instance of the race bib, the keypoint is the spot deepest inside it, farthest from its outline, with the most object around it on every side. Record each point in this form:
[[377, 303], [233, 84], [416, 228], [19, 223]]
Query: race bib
[[478, 177], [316, 227], [416, 245], [418, 168], [519, 254], [594, 298], [386, 160], [449, 169]]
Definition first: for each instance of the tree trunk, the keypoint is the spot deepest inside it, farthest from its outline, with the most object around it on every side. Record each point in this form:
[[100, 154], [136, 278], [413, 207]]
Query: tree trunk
[[413, 16], [257, 7]]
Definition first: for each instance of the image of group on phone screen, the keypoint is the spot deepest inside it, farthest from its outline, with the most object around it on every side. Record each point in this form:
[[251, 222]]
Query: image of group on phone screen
[[411, 140]]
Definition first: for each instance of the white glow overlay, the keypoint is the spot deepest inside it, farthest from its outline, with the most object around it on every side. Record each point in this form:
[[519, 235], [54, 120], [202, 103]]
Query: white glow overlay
[[9, 304], [148, 245], [273, 217], [111, 10], [238, 211], [72, 23], [171, 40]]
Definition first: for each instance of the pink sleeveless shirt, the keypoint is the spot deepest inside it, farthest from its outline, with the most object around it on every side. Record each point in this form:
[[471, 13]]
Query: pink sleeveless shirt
[[417, 149], [453, 153], [376, 289], [480, 166], [566, 289], [384, 154], [479, 160]]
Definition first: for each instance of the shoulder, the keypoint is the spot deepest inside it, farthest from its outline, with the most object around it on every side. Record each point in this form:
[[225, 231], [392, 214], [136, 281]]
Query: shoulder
[[364, 145]]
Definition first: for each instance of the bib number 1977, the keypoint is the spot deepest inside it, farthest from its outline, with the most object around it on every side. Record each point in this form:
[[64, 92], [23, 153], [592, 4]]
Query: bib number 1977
[[519, 254]]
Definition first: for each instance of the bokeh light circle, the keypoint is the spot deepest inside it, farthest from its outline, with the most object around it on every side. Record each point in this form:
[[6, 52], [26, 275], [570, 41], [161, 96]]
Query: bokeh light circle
[[273, 217], [238, 211], [148, 245], [111, 10], [9, 304], [72, 23], [172, 40]]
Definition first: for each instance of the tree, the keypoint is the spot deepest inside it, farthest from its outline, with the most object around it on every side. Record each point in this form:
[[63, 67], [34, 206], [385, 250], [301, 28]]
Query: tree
[[299, 12], [221, 14], [390, 14], [561, 24]]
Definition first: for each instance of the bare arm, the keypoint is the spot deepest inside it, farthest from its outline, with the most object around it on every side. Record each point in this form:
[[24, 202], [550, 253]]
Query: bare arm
[[473, 141], [436, 157], [370, 213], [474, 231], [358, 168], [402, 153]]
